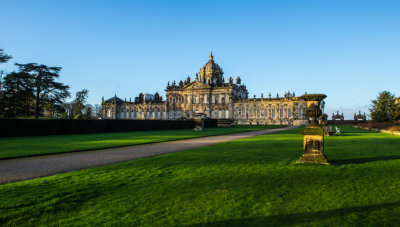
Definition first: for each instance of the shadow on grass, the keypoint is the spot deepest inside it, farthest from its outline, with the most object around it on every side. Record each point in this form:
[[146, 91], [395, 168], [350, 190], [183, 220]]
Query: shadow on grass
[[364, 160], [301, 218]]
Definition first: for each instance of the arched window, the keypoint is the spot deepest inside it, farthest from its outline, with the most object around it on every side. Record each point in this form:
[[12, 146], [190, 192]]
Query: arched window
[[226, 99], [213, 99], [153, 115], [109, 113], [164, 115], [197, 99], [289, 113], [176, 114], [205, 98], [212, 114], [243, 113], [158, 114], [281, 113], [300, 112], [226, 113], [136, 115], [251, 112], [258, 113], [219, 114], [219, 98], [170, 114], [142, 115], [266, 113], [273, 113], [147, 115]]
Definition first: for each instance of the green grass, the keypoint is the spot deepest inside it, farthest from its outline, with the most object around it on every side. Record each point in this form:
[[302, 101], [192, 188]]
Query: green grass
[[253, 182], [39, 145]]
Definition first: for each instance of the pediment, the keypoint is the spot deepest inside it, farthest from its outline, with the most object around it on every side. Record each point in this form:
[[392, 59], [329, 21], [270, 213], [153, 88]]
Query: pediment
[[197, 85]]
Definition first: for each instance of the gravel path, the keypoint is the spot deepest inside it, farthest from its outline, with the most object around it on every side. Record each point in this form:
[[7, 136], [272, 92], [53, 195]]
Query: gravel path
[[33, 167]]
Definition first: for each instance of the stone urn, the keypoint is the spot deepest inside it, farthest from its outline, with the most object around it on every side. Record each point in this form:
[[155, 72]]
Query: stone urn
[[313, 142], [199, 122]]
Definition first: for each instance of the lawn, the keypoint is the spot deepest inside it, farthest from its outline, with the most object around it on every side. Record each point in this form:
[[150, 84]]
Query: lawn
[[253, 182], [39, 145]]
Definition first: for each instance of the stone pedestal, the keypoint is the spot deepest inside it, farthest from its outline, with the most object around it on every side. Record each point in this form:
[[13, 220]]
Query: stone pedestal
[[313, 146], [199, 124]]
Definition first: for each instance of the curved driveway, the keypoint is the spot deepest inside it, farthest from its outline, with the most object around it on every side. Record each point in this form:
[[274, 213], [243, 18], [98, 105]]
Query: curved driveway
[[33, 167]]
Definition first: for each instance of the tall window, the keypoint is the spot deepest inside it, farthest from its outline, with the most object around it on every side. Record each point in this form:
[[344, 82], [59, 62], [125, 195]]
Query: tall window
[[219, 114], [226, 113], [273, 113], [163, 115], [136, 115], [258, 113], [226, 99], [251, 113], [289, 113], [170, 114], [212, 114], [219, 98], [300, 112], [158, 114], [266, 113], [213, 99], [176, 114], [142, 115], [197, 99], [281, 113], [205, 98], [243, 113]]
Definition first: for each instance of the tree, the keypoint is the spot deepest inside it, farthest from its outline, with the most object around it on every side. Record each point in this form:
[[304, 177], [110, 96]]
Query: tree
[[97, 111], [80, 101], [45, 89], [4, 57], [384, 108], [88, 112], [17, 95]]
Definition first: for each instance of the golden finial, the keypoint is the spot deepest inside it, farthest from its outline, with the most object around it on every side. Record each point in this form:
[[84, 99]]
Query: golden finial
[[211, 58]]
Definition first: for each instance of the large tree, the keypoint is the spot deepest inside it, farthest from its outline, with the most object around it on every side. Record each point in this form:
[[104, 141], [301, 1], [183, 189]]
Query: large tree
[[18, 94], [45, 88], [384, 108]]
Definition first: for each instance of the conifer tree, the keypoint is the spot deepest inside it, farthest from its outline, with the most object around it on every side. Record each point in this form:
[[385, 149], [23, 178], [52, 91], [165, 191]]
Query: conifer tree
[[384, 108]]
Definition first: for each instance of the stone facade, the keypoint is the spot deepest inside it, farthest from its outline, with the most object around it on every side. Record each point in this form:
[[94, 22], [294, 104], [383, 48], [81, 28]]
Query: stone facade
[[211, 96]]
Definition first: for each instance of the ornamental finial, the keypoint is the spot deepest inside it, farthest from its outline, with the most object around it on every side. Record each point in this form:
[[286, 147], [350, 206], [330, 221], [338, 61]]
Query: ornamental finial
[[211, 58]]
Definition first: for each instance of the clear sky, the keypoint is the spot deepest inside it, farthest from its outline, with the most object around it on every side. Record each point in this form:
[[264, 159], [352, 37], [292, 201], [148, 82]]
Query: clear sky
[[348, 50]]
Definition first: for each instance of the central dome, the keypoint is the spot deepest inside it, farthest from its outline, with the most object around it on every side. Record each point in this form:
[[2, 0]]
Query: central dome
[[211, 73], [211, 65]]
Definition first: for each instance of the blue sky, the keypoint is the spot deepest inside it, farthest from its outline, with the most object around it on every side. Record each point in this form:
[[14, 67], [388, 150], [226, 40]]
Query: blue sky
[[348, 50]]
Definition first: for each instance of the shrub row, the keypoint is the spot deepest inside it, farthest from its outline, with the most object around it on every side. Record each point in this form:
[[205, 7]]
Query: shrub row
[[33, 127]]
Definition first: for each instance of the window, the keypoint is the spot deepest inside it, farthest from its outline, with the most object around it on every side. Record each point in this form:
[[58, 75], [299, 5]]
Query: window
[[170, 114], [243, 113], [251, 113], [212, 113], [266, 113], [258, 113], [219, 114], [109, 113], [147, 115], [281, 113], [205, 98], [164, 115], [136, 115], [219, 99], [153, 114], [273, 113], [142, 115], [197, 99], [176, 114], [289, 113], [212, 99], [226, 113], [300, 112], [226, 99]]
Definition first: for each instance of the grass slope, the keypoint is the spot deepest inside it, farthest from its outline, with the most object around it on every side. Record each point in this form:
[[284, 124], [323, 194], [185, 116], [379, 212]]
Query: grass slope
[[253, 181], [39, 145]]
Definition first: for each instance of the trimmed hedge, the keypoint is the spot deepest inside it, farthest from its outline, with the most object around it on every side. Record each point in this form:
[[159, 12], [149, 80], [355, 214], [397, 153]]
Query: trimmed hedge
[[41, 127]]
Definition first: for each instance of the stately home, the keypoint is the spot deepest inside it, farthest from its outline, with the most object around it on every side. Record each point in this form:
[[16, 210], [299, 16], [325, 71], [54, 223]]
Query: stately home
[[210, 96]]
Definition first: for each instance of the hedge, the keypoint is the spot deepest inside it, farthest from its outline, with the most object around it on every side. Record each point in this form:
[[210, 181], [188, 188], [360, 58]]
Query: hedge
[[40, 127]]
